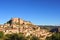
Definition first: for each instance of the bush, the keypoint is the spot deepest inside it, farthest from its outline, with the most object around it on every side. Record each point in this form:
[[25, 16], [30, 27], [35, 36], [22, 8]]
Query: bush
[[55, 36], [11, 37], [14, 37], [34, 38], [1, 34], [22, 37]]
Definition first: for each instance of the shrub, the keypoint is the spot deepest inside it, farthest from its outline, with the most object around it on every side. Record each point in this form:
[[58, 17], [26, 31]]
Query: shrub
[[1, 34], [34, 38], [55, 36]]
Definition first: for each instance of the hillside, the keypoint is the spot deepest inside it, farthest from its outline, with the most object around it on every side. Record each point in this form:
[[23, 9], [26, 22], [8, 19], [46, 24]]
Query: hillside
[[51, 28], [17, 25]]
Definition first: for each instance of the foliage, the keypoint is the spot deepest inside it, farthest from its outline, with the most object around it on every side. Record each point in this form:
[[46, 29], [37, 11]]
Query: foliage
[[1, 34], [21, 37], [34, 38], [55, 36], [11, 37], [14, 37]]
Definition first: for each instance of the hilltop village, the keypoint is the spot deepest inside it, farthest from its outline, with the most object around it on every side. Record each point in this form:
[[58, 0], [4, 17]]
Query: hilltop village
[[17, 25]]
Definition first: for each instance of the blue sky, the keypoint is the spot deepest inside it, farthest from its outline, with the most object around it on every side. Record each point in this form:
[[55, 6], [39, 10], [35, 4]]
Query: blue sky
[[42, 12]]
